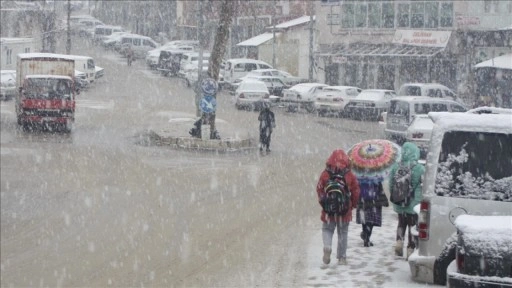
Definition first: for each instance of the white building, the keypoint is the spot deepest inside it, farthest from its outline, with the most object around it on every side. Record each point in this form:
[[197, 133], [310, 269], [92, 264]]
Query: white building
[[11, 47]]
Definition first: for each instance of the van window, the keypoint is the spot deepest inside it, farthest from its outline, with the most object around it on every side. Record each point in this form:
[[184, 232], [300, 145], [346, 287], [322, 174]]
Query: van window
[[250, 66], [240, 67], [126, 41], [410, 91], [136, 42], [424, 108], [149, 43], [475, 165], [399, 108], [263, 66], [458, 108], [90, 64]]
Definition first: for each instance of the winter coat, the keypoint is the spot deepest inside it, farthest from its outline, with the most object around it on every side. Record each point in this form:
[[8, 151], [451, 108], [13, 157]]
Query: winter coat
[[337, 162], [370, 214], [267, 124], [410, 156]]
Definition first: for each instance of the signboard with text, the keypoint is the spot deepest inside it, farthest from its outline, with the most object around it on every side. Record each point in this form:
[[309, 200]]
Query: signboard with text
[[422, 38]]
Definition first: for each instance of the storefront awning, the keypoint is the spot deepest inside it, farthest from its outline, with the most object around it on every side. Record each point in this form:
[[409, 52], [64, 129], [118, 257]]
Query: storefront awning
[[384, 50], [258, 40], [500, 62]]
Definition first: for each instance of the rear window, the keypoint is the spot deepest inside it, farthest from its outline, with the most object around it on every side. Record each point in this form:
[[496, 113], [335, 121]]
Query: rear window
[[258, 86], [410, 91], [425, 108], [370, 95], [399, 108], [475, 165]]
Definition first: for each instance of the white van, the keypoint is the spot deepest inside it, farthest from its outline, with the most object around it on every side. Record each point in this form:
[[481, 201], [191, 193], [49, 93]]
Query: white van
[[101, 32], [468, 171], [402, 110], [138, 43], [86, 65], [189, 64], [426, 89], [239, 67]]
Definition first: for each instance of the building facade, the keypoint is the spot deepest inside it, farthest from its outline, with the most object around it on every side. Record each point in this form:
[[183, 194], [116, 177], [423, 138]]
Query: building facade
[[384, 44]]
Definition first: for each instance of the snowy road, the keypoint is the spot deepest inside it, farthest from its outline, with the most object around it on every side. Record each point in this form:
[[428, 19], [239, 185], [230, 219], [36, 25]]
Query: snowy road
[[95, 209]]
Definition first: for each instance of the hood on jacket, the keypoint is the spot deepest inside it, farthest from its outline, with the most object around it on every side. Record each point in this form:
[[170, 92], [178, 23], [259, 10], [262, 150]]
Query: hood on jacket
[[338, 160], [410, 153]]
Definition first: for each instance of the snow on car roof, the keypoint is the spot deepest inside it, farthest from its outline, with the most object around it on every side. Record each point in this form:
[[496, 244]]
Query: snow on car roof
[[475, 224], [472, 122], [44, 55], [422, 99], [340, 87], [490, 110]]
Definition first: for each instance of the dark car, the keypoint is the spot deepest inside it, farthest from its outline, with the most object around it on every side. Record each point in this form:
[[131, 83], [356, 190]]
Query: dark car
[[483, 252]]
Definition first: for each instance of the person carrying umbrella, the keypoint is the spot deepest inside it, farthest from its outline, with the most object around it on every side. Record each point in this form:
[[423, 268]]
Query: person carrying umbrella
[[371, 161], [338, 163], [406, 215]]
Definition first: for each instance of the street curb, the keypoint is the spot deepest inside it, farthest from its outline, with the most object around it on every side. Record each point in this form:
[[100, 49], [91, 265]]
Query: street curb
[[190, 143]]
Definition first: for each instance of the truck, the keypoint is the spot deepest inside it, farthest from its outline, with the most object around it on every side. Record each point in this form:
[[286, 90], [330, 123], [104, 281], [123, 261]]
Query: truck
[[46, 91]]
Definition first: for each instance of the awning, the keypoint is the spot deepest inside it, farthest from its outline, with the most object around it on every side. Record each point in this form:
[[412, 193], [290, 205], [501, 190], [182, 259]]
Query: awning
[[384, 50], [257, 40], [500, 62]]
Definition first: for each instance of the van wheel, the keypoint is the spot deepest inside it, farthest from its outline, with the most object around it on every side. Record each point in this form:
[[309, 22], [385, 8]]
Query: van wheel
[[444, 259], [310, 108]]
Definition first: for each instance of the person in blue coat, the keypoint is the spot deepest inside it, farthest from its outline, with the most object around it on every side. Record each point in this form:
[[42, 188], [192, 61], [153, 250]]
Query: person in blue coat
[[407, 218]]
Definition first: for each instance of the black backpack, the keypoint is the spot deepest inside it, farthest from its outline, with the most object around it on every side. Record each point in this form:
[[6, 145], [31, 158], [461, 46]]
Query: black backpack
[[337, 195], [402, 191]]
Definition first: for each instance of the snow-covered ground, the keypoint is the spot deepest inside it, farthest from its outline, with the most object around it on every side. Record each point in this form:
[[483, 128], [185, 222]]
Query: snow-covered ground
[[375, 266]]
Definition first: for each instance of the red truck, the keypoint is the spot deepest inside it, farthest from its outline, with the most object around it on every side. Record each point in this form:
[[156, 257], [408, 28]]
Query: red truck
[[46, 91]]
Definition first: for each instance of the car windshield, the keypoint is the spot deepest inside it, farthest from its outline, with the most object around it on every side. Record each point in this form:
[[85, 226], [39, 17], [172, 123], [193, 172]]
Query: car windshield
[[410, 91], [399, 108], [47, 88], [475, 165], [370, 95]]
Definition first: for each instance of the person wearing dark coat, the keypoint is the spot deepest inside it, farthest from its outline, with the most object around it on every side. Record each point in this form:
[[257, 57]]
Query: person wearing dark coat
[[369, 208], [267, 124]]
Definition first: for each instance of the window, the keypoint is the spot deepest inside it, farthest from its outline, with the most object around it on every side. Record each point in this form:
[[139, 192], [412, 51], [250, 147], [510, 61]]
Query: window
[[347, 15], [8, 56], [239, 67], [417, 15], [333, 19], [137, 42], [403, 15], [431, 15], [458, 108], [399, 108], [374, 13], [250, 66], [491, 6], [437, 107], [263, 66], [388, 15], [446, 15], [149, 43], [361, 15], [27, 50], [90, 64]]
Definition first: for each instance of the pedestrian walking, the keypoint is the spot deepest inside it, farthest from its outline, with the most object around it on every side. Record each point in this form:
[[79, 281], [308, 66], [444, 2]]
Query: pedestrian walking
[[369, 209], [267, 124], [405, 193], [337, 167], [129, 55]]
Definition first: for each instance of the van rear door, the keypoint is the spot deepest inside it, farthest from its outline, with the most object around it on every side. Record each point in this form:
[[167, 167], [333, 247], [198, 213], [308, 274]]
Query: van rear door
[[398, 116]]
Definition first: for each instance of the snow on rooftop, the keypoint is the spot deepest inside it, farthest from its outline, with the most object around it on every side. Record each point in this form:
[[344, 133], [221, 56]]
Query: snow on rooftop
[[501, 62], [297, 21], [257, 40]]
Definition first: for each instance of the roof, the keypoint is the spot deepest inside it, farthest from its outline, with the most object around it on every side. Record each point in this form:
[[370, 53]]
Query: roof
[[472, 122], [378, 90], [248, 60], [16, 40], [422, 99], [424, 85], [389, 50], [297, 21], [48, 76], [342, 87], [500, 62], [44, 55], [257, 40]]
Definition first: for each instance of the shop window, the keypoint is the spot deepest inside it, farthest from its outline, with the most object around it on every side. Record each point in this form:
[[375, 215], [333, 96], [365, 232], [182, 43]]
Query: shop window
[[417, 15], [431, 15], [374, 15], [446, 15], [347, 14], [403, 15], [333, 19], [361, 15], [388, 15]]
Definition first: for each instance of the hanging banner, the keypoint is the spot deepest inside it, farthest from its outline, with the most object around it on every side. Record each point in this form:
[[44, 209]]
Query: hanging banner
[[422, 38]]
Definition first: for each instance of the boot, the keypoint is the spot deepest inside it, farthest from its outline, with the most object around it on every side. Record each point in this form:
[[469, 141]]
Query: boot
[[399, 251], [327, 255], [409, 252]]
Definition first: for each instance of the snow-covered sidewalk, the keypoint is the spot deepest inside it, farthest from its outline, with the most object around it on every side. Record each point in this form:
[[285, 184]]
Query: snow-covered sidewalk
[[375, 266]]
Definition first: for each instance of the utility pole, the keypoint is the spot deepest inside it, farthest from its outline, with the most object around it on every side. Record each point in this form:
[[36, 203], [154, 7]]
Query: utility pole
[[68, 40], [311, 40], [200, 23], [274, 35]]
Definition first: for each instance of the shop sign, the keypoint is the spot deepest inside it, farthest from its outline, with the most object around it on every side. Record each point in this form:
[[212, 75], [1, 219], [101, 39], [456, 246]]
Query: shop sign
[[422, 38], [467, 20]]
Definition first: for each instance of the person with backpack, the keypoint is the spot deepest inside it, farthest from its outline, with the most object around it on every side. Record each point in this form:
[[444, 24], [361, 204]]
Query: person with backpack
[[338, 192], [267, 124], [369, 208], [405, 193]]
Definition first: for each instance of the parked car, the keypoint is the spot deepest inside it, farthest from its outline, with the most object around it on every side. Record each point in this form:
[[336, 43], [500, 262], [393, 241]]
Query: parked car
[[332, 99], [369, 104], [138, 43], [85, 27], [100, 72], [284, 76], [483, 255], [468, 171], [7, 84], [153, 56], [113, 41], [101, 32], [240, 67], [427, 89], [251, 94], [81, 82], [403, 110], [302, 95], [169, 61], [274, 84]]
